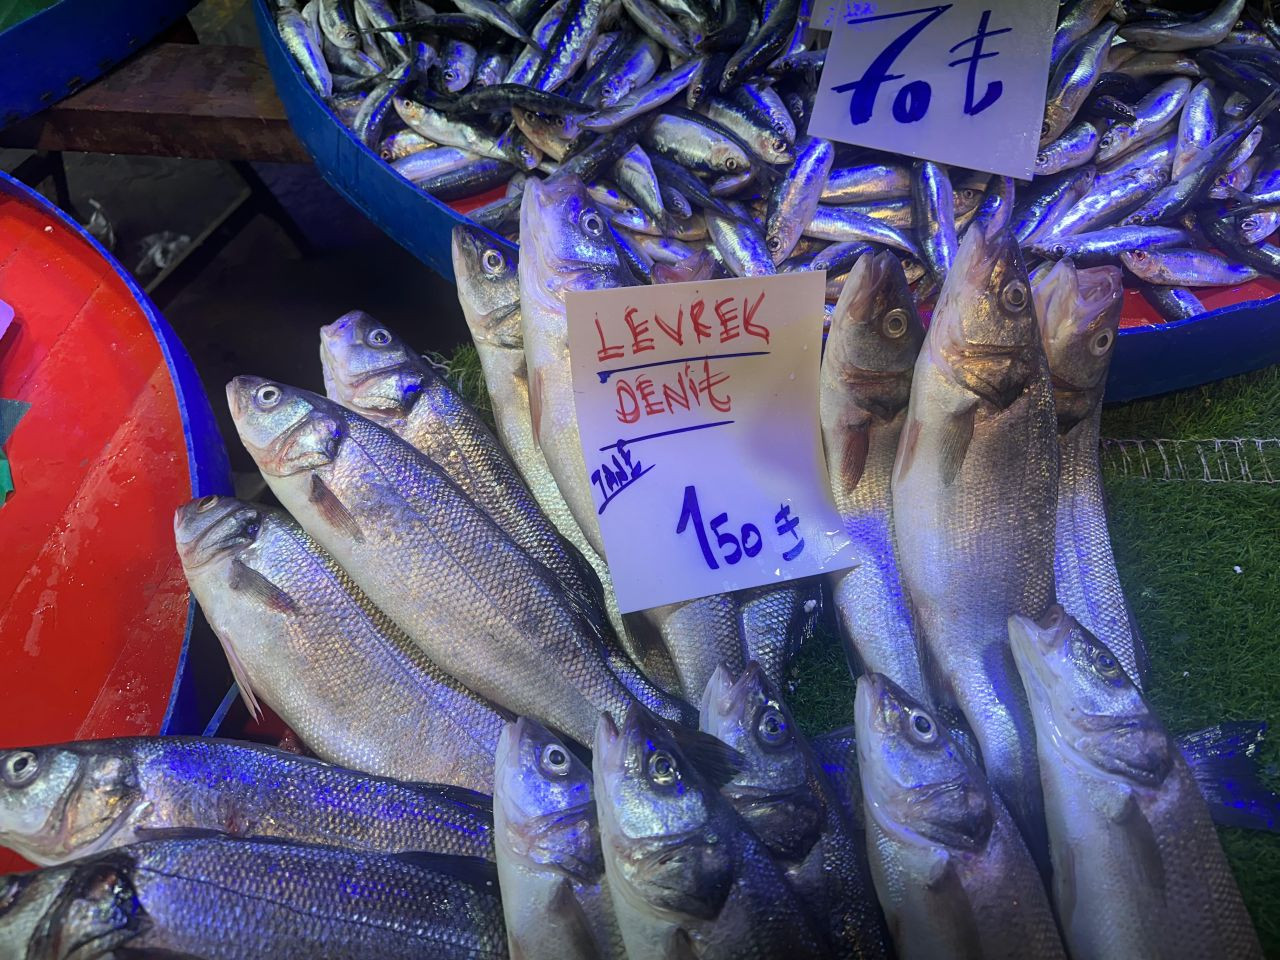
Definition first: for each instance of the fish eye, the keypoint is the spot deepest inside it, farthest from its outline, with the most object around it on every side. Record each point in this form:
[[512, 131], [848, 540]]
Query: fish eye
[[555, 759], [592, 223], [772, 726], [1044, 129], [895, 322], [779, 145], [1105, 664], [1101, 343], [1059, 250], [206, 503], [730, 163], [1105, 141], [662, 768], [1014, 295], [1042, 158], [268, 395], [20, 768], [923, 726], [774, 243], [378, 337], [493, 260]]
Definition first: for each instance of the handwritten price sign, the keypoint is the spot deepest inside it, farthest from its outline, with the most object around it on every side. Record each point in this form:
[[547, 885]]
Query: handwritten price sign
[[962, 83], [697, 406]]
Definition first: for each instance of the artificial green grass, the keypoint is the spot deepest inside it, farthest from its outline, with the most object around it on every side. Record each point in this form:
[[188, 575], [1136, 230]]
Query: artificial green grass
[[1210, 630]]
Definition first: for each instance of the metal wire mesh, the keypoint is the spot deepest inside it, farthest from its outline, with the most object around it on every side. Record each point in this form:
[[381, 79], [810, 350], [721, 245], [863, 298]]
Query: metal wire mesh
[[1223, 460]]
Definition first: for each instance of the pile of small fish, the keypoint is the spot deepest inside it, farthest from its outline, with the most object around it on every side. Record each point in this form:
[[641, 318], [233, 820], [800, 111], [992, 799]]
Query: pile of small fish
[[505, 765], [687, 120]]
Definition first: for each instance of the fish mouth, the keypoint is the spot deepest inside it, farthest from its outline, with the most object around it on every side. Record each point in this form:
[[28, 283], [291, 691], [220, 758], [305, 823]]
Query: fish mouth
[[718, 705], [198, 522]]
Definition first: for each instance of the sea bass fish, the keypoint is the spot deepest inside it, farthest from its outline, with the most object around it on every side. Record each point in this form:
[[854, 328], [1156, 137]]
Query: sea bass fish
[[1138, 868], [1079, 313], [952, 872], [77, 799], [227, 899], [476, 603], [775, 622], [865, 385], [975, 488], [785, 798], [302, 636], [568, 247], [687, 877], [489, 293], [550, 864]]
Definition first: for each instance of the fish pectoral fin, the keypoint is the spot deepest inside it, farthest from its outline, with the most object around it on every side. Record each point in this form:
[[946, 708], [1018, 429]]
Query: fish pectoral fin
[[853, 454], [244, 579], [1146, 860], [572, 923], [907, 445], [332, 509], [711, 756], [942, 872], [240, 674], [956, 437], [680, 947]]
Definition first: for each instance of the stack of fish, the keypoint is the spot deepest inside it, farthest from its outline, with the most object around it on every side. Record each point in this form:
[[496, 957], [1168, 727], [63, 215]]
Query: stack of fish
[[513, 768], [687, 119]]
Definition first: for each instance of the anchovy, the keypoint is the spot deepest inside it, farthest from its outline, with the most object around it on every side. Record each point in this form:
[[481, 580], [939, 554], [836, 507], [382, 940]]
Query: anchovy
[[932, 204], [641, 100], [742, 245], [1188, 34], [1074, 148], [794, 197], [1154, 112], [1105, 246], [1197, 126], [841, 223], [1073, 79]]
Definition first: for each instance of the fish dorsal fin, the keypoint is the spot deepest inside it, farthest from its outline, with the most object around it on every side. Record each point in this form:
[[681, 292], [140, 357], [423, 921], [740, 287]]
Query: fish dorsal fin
[[475, 871], [332, 509], [245, 579]]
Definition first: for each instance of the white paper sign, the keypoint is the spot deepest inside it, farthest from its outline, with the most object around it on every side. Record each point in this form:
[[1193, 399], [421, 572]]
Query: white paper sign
[[698, 409], [961, 83]]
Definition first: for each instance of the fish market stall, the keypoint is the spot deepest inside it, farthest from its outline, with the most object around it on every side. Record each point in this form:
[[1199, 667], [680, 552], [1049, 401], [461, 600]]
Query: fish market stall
[[747, 587], [105, 425], [1118, 133]]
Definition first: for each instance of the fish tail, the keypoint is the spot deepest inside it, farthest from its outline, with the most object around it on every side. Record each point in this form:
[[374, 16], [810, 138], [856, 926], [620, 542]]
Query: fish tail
[[1224, 761]]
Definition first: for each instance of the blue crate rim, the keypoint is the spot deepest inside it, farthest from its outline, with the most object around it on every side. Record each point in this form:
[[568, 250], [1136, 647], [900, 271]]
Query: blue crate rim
[[206, 478]]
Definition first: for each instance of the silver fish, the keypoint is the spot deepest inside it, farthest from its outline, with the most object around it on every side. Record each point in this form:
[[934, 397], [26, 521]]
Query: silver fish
[[650, 18], [306, 50], [1075, 19], [1105, 246], [787, 802], [685, 872], [700, 635], [769, 145], [550, 863], [526, 63], [794, 198], [1074, 148], [637, 68], [775, 622], [682, 139], [568, 45], [633, 172], [843, 223], [1039, 212], [300, 635], [1138, 867], [1157, 110], [865, 385], [480, 607], [223, 898], [868, 181], [459, 65], [742, 245], [1186, 267], [640, 100], [1073, 79], [1079, 313], [1185, 34], [1197, 126], [72, 800], [402, 143], [932, 205], [338, 23], [975, 486], [953, 875]]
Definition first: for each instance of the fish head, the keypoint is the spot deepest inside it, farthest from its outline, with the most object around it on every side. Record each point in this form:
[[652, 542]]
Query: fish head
[[545, 795], [26, 899], [96, 908], [916, 783], [984, 333], [370, 369], [212, 528], [875, 335], [1083, 701], [771, 790], [1079, 314], [286, 430], [488, 287], [58, 802], [729, 158], [569, 231], [659, 817], [1258, 225]]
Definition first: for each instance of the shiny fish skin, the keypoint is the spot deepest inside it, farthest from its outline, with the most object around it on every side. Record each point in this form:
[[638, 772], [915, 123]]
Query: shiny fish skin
[[634, 174], [775, 622], [526, 64], [568, 46], [685, 873], [432, 163], [1185, 35], [932, 207], [567, 247], [1109, 199], [637, 68], [486, 612], [974, 494], [338, 23], [841, 223], [643, 99], [1072, 79], [459, 65], [865, 182], [1172, 303], [1076, 18], [1197, 126], [299, 633], [95, 795], [1186, 267], [794, 198], [700, 635], [953, 875], [1079, 314], [306, 51], [741, 244], [177, 898], [550, 863], [786, 800], [1139, 869], [769, 145], [1105, 246], [1038, 213], [688, 140], [1074, 148], [865, 384], [489, 294], [1154, 112], [650, 18]]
